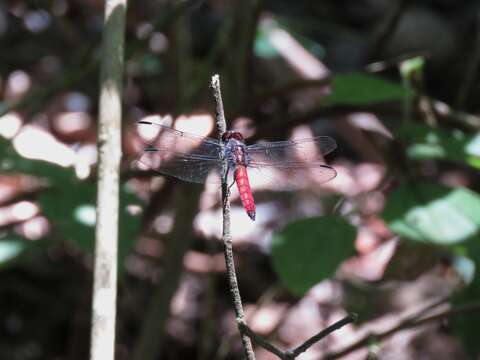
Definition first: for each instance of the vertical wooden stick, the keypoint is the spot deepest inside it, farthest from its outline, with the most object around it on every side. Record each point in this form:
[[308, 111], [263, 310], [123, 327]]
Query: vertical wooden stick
[[227, 237], [102, 345]]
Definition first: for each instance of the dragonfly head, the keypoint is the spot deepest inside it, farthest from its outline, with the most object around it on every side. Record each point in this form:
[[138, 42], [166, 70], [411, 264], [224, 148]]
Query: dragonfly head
[[230, 134]]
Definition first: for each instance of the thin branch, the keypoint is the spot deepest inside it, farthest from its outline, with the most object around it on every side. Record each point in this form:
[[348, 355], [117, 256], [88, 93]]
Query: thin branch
[[473, 306], [266, 298], [351, 318], [294, 353], [257, 339], [227, 237], [418, 318], [109, 149], [219, 111]]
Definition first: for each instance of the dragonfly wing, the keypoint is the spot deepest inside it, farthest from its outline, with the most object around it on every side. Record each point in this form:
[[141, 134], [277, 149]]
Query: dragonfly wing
[[291, 172], [187, 167], [294, 159], [178, 142], [179, 154], [280, 151]]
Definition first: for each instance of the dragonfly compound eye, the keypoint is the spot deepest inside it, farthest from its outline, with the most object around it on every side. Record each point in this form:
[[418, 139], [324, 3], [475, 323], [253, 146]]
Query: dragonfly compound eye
[[230, 134]]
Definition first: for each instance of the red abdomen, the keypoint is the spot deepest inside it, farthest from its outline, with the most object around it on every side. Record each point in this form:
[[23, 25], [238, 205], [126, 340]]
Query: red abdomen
[[241, 178]]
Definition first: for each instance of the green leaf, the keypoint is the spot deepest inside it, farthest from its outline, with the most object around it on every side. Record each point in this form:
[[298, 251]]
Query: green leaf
[[433, 213], [412, 66], [465, 268], [263, 47], [426, 143], [71, 208], [11, 246], [151, 65], [361, 89], [70, 203], [12, 162], [465, 325], [307, 251]]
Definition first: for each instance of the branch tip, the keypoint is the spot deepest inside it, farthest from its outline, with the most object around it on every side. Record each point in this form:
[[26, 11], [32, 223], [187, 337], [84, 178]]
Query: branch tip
[[353, 317]]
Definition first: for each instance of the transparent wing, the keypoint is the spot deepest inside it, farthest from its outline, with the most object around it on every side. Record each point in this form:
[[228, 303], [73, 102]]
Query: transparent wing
[[165, 138], [179, 154], [293, 173], [279, 151], [294, 158], [187, 167]]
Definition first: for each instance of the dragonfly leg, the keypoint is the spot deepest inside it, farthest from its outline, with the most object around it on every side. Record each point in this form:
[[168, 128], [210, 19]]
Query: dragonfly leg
[[225, 180], [230, 186]]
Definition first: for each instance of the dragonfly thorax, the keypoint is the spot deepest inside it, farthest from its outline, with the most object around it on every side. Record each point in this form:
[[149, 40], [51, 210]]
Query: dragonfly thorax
[[235, 153]]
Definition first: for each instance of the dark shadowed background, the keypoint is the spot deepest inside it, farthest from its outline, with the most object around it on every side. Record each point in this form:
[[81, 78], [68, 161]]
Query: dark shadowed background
[[395, 237]]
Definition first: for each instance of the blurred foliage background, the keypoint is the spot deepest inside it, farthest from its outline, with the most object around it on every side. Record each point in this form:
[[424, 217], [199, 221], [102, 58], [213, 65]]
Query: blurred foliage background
[[394, 237]]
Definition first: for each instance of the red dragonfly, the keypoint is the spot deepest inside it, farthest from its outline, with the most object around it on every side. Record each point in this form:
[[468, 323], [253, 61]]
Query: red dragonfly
[[194, 158]]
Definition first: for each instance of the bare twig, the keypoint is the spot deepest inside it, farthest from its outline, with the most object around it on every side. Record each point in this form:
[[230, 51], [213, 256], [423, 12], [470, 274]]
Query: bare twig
[[351, 318], [227, 237], [266, 298], [257, 339], [219, 111], [294, 353], [473, 306], [109, 149], [418, 318]]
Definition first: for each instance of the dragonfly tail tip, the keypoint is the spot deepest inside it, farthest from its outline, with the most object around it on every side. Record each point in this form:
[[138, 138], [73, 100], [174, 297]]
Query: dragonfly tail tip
[[251, 214]]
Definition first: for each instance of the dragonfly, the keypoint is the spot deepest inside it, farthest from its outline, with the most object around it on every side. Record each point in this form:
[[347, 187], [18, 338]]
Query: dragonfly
[[194, 158]]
